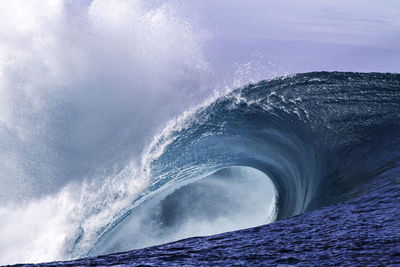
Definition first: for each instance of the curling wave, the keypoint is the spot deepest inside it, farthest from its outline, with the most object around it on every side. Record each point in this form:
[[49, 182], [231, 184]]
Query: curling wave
[[319, 137]]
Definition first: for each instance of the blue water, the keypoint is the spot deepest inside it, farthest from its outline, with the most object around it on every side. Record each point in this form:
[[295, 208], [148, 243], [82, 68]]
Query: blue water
[[328, 141]]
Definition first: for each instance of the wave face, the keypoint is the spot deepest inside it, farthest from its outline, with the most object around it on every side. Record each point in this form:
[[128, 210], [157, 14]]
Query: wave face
[[319, 137]]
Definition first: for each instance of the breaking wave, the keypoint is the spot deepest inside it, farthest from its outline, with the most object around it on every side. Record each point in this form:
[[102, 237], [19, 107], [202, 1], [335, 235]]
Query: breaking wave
[[319, 137], [87, 166]]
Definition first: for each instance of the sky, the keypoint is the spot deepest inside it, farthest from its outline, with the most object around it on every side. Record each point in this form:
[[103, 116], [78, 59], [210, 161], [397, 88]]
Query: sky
[[278, 37]]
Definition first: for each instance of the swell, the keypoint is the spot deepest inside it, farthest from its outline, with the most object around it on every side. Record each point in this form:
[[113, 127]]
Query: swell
[[319, 136]]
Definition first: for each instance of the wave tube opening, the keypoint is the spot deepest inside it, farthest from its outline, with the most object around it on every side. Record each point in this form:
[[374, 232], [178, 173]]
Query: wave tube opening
[[229, 199]]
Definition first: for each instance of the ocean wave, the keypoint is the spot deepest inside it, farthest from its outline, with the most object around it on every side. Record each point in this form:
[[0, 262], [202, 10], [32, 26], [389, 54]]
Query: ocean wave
[[319, 137]]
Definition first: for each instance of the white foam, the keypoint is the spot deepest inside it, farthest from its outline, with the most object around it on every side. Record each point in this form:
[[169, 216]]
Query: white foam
[[83, 87]]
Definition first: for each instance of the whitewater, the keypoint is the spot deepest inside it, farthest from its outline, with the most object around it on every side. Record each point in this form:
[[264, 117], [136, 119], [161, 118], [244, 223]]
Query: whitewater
[[76, 114], [118, 132]]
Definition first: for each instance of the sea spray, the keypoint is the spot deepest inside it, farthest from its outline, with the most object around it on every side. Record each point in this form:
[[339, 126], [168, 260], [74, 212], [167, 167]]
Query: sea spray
[[84, 87]]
